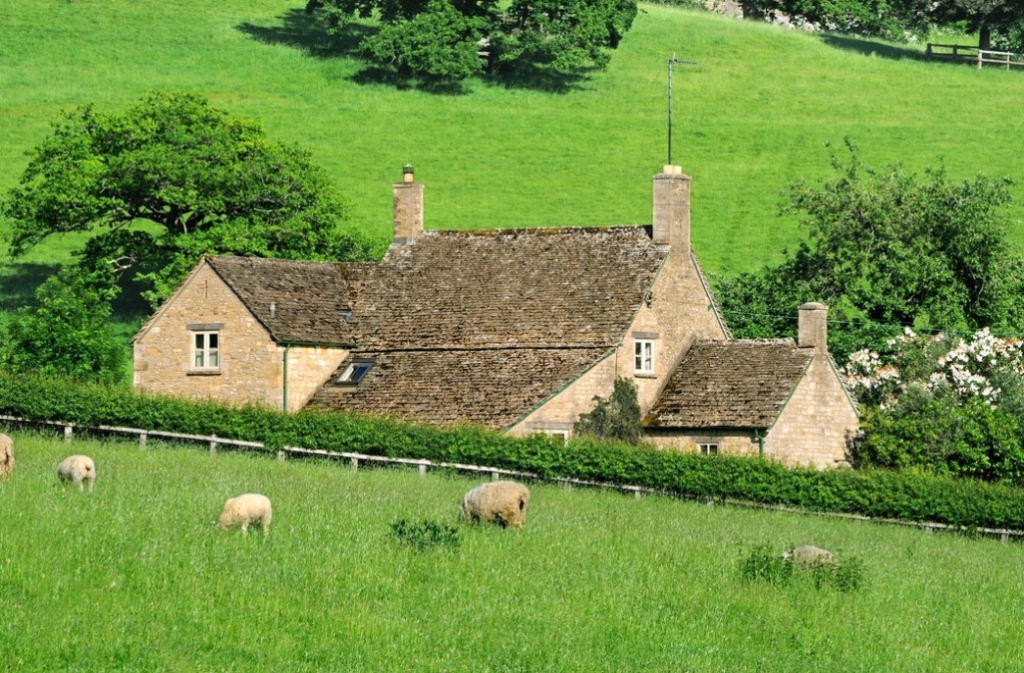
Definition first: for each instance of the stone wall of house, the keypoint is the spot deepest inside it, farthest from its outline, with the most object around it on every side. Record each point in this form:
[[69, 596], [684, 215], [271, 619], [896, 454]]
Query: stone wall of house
[[250, 362], [817, 422], [308, 368], [562, 411], [736, 443], [679, 313]]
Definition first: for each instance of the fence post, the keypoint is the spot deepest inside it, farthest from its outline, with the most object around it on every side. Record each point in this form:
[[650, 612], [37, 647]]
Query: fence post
[[495, 476], [213, 445], [423, 469], [979, 59], [282, 456], [67, 434], [355, 464], [142, 441], [928, 52]]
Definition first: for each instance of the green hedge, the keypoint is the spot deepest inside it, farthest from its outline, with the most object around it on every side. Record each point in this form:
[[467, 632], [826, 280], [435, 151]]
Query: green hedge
[[910, 496]]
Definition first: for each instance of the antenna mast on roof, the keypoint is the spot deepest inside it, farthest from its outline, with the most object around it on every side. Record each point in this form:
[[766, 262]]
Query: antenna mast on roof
[[671, 62]]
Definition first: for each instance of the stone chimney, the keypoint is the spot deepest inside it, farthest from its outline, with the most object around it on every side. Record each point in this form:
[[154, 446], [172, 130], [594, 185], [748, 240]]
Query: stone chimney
[[813, 326], [672, 209], [408, 207]]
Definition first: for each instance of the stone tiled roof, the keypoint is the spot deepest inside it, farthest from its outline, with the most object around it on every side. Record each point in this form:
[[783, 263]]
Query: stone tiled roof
[[493, 387], [311, 299], [730, 384], [571, 287]]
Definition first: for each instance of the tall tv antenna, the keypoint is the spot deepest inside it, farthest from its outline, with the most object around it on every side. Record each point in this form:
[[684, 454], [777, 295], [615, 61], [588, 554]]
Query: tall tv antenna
[[671, 62]]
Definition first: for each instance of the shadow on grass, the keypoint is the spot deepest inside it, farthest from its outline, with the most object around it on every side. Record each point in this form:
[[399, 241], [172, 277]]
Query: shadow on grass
[[868, 47], [18, 283], [306, 32]]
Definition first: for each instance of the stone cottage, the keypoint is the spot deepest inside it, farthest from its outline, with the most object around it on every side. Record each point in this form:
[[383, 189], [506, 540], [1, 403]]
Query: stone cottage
[[515, 329]]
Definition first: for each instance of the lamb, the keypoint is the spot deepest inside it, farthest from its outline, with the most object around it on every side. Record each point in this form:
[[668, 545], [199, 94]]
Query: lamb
[[77, 469], [6, 456], [501, 501], [809, 557], [244, 510]]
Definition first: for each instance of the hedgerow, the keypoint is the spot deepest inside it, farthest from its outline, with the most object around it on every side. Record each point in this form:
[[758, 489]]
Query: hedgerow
[[905, 495]]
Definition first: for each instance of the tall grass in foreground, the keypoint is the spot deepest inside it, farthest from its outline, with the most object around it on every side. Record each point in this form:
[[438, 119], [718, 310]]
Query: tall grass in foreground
[[134, 577]]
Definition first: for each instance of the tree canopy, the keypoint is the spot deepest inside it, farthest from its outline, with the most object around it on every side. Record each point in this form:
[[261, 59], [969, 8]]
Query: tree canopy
[[456, 39], [895, 19], [212, 183], [888, 249]]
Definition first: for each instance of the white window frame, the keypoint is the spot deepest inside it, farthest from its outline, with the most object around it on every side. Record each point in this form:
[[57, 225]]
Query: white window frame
[[346, 377], [564, 434], [206, 351], [640, 358], [708, 448]]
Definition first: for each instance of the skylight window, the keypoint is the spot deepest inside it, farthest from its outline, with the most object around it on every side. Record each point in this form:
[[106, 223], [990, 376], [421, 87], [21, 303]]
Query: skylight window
[[355, 372]]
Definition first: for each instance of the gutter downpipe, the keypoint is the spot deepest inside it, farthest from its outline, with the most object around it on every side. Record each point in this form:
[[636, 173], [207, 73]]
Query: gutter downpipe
[[284, 391], [760, 443]]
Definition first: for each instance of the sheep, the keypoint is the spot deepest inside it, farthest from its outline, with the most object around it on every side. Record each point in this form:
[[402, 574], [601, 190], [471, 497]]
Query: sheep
[[809, 557], [6, 456], [77, 469], [501, 501], [244, 510]]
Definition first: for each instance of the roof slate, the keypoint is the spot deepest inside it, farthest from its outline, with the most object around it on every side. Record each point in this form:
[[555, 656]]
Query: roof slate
[[730, 384], [571, 287], [310, 298], [493, 387]]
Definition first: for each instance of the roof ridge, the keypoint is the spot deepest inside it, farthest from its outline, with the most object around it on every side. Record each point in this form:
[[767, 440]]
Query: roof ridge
[[545, 231]]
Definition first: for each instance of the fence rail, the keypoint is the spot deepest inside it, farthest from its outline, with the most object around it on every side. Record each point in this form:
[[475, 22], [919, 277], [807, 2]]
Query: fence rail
[[981, 57], [422, 464]]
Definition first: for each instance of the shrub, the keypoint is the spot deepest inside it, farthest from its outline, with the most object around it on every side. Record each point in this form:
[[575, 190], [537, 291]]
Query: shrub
[[909, 496], [847, 575], [617, 417], [425, 534], [764, 565]]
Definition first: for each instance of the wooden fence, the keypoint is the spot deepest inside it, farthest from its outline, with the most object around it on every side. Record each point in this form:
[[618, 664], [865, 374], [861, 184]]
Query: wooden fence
[[981, 57], [213, 443]]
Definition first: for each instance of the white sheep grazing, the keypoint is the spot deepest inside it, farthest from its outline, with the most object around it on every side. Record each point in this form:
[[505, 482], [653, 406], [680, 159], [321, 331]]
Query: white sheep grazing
[[246, 509], [77, 469], [501, 501], [809, 557], [6, 456]]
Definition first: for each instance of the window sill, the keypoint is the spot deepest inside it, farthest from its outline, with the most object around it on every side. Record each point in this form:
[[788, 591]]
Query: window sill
[[644, 375], [204, 372]]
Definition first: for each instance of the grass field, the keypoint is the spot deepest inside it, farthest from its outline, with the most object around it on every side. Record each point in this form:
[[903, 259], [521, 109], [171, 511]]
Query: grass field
[[134, 577], [754, 115]]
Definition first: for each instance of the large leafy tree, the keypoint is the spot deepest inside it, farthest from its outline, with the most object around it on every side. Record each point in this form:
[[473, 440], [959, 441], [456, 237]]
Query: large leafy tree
[[69, 332], [212, 183], [455, 39], [887, 249]]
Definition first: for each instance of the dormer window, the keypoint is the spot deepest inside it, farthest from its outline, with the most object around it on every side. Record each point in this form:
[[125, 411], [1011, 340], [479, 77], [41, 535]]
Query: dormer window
[[643, 357], [355, 372]]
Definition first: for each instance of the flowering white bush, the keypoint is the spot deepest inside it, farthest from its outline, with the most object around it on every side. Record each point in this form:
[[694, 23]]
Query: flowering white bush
[[962, 366]]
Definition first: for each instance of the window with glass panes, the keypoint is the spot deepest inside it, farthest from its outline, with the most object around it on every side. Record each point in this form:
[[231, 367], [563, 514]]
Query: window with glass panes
[[643, 356], [205, 350], [707, 449]]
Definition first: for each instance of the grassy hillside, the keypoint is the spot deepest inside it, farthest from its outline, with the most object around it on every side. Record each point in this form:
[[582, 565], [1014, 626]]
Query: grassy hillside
[[134, 577], [754, 115]]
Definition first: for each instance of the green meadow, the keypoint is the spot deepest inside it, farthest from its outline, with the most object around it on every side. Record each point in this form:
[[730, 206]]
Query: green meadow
[[751, 117], [135, 577]]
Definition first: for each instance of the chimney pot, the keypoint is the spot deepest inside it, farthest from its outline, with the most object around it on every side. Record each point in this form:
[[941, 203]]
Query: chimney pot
[[813, 326], [672, 210], [408, 207]]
